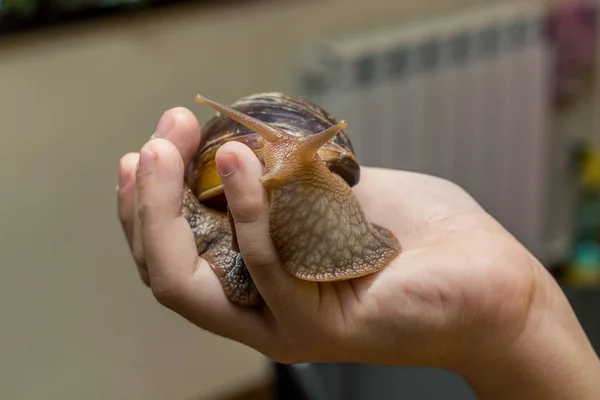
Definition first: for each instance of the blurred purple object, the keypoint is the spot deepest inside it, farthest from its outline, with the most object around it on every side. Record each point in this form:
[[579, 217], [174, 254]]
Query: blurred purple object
[[572, 34]]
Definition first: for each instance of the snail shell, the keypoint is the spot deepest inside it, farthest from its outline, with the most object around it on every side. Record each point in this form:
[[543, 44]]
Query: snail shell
[[295, 115]]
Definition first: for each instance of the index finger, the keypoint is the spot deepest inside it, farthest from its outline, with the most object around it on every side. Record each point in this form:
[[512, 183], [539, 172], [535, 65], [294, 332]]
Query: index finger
[[179, 278]]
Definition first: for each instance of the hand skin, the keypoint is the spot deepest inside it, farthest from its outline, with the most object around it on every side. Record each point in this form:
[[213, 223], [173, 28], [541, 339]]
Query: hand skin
[[464, 295]]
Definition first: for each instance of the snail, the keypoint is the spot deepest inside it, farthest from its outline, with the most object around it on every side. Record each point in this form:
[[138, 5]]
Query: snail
[[316, 223]]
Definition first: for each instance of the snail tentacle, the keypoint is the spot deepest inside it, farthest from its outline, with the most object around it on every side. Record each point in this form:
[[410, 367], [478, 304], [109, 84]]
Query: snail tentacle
[[268, 132], [311, 144]]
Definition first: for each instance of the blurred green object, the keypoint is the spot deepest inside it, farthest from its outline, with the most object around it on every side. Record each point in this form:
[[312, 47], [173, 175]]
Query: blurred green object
[[26, 15], [75, 4], [584, 268], [21, 8], [584, 265]]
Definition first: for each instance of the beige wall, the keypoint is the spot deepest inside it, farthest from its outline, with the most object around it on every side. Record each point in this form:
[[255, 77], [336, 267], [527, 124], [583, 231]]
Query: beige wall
[[75, 322]]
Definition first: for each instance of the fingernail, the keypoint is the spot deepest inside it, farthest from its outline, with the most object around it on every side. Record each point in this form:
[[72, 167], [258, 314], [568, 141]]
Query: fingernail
[[164, 125], [227, 164]]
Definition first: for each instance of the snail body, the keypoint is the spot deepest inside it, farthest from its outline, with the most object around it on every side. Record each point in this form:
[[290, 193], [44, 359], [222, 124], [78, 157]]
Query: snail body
[[316, 223]]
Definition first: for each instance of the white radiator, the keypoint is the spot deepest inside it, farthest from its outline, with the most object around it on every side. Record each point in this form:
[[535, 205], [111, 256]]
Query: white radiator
[[465, 97]]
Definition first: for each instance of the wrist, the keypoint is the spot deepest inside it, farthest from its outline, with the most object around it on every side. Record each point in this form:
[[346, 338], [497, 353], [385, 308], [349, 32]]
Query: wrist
[[551, 358]]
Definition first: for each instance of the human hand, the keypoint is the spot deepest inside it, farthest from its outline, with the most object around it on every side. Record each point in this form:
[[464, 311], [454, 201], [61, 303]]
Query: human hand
[[463, 291]]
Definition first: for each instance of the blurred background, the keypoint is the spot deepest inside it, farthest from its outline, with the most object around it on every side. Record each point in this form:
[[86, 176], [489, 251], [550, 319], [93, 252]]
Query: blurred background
[[497, 96]]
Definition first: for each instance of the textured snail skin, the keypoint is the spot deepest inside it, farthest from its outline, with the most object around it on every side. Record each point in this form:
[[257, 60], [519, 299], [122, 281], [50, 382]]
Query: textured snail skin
[[215, 242], [316, 223]]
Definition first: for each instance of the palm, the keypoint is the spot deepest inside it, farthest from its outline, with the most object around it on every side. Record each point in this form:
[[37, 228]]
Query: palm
[[444, 274]]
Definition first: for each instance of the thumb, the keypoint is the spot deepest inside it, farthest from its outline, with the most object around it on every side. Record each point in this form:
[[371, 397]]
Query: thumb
[[248, 202]]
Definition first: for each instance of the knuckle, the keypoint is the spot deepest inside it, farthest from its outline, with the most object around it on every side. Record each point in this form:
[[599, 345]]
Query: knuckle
[[247, 211], [167, 294], [145, 211], [144, 205], [258, 255]]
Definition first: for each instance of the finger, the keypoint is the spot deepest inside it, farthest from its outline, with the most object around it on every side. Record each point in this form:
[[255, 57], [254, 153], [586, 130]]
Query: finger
[[137, 248], [180, 127], [248, 202], [127, 209], [126, 192], [181, 280]]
